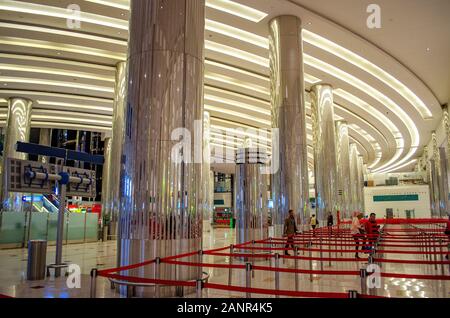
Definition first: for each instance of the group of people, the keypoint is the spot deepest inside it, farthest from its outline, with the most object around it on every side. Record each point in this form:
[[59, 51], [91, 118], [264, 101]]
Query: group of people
[[364, 232], [361, 231]]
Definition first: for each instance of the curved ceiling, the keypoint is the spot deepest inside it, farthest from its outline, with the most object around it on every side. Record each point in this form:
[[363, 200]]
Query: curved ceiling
[[69, 72]]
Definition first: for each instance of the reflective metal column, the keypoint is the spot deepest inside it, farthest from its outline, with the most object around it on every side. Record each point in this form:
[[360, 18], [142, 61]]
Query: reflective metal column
[[361, 182], [434, 188], [324, 141], [290, 182], [18, 125], [111, 188], [45, 139], [251, 196], [354, 200], [443, 183], [343, 168], [160, 206], [106, 184], [206, 185]]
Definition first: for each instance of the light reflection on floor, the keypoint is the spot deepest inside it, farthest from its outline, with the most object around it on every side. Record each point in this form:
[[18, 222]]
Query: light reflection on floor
[[103, 255]]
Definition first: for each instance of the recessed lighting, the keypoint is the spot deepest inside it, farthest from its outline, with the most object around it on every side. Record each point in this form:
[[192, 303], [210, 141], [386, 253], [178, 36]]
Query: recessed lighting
[[428, 49]]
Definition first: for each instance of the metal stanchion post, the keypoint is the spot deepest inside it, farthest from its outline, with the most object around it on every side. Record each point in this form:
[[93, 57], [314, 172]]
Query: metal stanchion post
[[321, 255], [253, 258], [94, 273], [442, 256], [200, 268], [296, 268], [230, 270], [277, 273], [310, 264], [352, 294], [199, 287], [435, 255], [248, 278], [157, 270], [363, 276]]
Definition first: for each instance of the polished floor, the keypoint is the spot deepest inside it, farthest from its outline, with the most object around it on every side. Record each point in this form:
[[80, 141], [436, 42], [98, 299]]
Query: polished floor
[[103, 255]]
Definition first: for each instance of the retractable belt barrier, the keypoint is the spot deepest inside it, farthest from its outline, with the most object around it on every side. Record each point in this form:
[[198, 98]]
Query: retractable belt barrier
[[421, 242]]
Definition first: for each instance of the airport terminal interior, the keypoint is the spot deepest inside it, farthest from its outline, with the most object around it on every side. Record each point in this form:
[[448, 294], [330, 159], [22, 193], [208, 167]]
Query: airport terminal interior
[[224, 148]]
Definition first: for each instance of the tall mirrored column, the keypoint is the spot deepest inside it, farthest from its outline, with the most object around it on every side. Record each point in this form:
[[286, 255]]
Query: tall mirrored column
[[355, 200], [343, 168], [443, 183], [113, 162], [251, 196], [45, 139], [106, 184], [324, 141], [161, 181], [361, 182], [206, 185], [18, 126], [434, 167], [290, 181]]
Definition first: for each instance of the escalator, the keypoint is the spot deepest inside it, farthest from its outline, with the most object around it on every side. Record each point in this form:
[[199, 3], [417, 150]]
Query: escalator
[[51, 203]]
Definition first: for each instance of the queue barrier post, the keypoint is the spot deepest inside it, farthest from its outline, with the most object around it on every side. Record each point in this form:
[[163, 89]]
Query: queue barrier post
[[230, 270], [435, 255], [296, 268], [363, 276], [352, 294], [157, 275], [94, 274], [442, 256], [310, 264], [277, 273], [198, 288], [253, 258], [248, 278], [321, 254], [200, 261]]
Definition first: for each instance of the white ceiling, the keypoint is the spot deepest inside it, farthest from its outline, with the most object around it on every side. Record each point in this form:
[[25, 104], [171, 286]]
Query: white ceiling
[[69, 73]]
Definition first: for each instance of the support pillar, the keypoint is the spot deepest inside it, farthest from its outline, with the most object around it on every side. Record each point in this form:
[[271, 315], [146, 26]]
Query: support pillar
[[324, 140], [355, 199], [251, 196], [361, 182], [343, 168], [161, 170], [18, 126], [443, 183], [45, 139], [113, 162], [290, 182]]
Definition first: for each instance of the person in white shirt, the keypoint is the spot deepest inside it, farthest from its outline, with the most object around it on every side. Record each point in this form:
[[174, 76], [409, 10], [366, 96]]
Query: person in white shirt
[[357, 230]]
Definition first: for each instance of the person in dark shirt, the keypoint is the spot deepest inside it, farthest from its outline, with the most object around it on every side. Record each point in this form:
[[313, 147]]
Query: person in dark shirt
[[290, 229]]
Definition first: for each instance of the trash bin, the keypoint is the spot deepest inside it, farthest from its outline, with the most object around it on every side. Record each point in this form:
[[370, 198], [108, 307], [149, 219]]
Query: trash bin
[[37, 254]]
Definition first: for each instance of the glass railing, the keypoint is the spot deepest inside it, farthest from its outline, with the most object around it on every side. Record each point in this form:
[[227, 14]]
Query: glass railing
[[17, 228]]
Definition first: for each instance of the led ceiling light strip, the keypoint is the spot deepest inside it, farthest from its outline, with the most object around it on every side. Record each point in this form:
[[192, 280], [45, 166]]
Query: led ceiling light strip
[[62, 13], [58, 61], [52, 71], [370, 109], [78, 35], [236, 33], [23, 80], [232, 81], [266, 123], [233, 103], [370, 68], [248, 99], [118, 4], [236, 53], [25, 93], [5, 40], [356, 82], [44, 103], [400, 167], [45, 124], [237, 9], [237, 70], [71, 119]]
